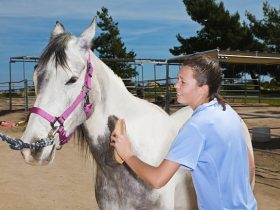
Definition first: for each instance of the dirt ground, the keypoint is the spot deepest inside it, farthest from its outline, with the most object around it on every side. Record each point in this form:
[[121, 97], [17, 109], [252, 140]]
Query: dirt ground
[[68, 182]]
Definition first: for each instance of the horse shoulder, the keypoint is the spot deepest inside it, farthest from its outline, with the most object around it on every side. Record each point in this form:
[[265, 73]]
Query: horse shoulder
[[181, 116], [150, 130]]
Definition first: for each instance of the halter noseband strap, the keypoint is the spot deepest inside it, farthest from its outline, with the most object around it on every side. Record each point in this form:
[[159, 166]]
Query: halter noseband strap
[[88, 107]]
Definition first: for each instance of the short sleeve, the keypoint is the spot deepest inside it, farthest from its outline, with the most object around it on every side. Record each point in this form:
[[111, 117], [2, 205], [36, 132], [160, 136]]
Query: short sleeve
[[187, 146]]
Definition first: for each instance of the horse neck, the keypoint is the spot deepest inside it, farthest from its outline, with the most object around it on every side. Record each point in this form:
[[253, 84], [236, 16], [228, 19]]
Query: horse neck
[[115, 100], [112, 89], [109, 95]]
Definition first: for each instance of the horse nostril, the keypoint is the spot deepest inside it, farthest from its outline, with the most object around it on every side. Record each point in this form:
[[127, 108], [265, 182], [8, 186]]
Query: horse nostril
[[26, 154], [37, 153]]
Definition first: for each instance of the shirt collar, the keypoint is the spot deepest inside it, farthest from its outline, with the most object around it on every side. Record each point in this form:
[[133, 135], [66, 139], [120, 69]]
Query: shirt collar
[[205, 105]]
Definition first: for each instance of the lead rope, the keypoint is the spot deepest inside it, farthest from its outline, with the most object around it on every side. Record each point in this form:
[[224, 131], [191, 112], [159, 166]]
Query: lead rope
[[18, 144]]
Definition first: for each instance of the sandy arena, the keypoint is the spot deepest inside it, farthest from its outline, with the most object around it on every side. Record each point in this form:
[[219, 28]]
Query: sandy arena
[[68, 182]]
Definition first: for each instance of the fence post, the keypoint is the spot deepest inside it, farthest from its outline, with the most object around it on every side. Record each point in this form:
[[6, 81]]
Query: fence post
[[155, 88], [167, 94], [10, 87], [26, 95], [259, 81], [246, 94], [143, 84]]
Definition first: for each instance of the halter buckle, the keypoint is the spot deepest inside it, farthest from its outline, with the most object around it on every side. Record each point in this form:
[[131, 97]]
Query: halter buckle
[[85, 89], [53, 131]]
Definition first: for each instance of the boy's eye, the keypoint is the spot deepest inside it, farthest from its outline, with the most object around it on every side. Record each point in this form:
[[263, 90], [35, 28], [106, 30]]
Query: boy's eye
[[182, 81]]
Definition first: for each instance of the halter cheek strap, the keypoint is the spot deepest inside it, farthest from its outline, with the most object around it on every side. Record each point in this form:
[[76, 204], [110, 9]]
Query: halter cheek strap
[[88, 107]]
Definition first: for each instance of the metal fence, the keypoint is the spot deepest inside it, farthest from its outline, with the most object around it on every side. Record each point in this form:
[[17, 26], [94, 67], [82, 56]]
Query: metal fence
[[154, 82], [17, 94], [158, 90]]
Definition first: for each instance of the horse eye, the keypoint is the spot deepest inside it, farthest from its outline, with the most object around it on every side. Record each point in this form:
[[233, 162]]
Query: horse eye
[[71, 80]]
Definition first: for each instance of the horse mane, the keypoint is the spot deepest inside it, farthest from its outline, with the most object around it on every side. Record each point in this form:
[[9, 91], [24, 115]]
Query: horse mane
[[82, 140], [56, 47]]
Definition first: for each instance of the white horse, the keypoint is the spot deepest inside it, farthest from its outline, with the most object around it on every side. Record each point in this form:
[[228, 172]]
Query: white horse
[[91, 102]]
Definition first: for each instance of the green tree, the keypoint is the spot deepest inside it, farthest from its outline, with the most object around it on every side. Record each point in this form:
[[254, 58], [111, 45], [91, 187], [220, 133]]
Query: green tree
[[268, 31], [268, 28], [110, 45], [219, 29]]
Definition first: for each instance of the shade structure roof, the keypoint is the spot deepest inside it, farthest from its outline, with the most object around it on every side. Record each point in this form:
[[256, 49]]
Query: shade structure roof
[[229, 56]]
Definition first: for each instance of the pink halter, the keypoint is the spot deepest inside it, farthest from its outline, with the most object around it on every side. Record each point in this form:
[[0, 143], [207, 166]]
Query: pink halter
[[88, 107]]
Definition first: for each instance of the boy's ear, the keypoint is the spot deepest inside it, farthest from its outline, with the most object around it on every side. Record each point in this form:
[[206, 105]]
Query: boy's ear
[[205, 90]]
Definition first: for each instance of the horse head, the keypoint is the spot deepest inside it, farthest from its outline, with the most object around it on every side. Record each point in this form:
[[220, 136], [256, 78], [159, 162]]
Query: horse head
[[63, 84]]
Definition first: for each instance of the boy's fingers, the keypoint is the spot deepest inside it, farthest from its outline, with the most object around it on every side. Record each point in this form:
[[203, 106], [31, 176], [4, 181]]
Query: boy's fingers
[[123, 126]]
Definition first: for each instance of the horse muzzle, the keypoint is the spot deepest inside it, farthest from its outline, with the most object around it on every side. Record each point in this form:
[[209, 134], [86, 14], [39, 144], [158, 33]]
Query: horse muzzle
[[40, 157]]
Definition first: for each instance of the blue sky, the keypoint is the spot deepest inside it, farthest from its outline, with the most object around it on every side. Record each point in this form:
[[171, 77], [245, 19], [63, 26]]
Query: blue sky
[[147, 27]]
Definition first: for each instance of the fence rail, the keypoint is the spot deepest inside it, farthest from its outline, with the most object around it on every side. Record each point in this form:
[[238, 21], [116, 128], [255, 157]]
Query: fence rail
[[157, 91], [18, 93]]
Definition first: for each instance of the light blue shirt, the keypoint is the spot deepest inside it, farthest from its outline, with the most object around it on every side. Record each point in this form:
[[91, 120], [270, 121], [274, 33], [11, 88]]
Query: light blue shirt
[[211, 144]]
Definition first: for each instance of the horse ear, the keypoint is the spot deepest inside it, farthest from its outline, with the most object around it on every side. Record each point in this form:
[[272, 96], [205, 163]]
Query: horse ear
[[88, 34], [58, 29]]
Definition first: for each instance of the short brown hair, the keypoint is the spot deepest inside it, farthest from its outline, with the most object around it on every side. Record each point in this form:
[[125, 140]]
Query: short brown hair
[[207, 71]]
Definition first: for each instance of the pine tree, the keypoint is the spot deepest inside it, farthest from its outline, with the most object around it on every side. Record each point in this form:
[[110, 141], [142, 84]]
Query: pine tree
[[110, 45], [268, 28], [219, 29]]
